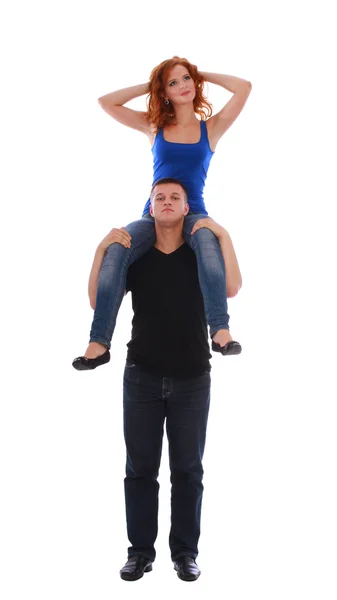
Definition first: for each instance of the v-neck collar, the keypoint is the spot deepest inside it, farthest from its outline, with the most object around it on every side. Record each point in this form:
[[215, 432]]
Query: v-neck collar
[[170, 253]]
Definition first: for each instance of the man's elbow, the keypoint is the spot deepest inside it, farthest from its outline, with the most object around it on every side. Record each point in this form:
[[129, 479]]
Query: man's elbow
[[92, 301], [233, 290]]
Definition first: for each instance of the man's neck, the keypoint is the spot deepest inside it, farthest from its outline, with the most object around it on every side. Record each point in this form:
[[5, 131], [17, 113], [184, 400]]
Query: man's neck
[[169, 239]]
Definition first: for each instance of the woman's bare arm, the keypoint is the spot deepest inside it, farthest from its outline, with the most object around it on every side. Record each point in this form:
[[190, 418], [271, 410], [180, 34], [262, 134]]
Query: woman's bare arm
[[113, 104], [218, 124]]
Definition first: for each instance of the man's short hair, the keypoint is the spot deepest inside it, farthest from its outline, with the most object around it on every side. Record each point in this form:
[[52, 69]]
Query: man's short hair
[[169, 180]]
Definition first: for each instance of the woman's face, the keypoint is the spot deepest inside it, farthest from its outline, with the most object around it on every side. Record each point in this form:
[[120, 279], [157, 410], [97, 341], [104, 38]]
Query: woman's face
[[180, 87]]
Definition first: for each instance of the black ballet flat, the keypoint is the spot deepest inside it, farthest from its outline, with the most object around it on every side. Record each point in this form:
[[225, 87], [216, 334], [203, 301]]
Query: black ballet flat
[[228, 349], [81, 363]]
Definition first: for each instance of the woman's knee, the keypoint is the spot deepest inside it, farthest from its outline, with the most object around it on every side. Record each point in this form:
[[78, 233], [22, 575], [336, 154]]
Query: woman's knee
[[204, 234], [205, 239]]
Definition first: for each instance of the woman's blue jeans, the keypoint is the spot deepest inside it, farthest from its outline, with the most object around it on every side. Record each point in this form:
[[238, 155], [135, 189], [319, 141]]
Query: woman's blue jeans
[[112, 277]]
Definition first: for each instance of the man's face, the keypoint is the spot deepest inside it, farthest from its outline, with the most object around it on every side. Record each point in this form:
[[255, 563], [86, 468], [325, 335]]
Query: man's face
[[168, 205]]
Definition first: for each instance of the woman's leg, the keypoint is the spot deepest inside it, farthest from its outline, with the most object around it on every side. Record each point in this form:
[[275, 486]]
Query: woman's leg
[[112, 282], [212, 278]]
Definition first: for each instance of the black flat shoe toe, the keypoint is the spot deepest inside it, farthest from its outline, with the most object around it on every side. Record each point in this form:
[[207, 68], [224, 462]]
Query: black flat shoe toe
[[81, 363], [230, 348]]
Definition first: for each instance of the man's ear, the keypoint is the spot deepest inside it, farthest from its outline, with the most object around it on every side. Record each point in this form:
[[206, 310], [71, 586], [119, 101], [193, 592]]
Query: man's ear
[[151, 210], [186, 209]]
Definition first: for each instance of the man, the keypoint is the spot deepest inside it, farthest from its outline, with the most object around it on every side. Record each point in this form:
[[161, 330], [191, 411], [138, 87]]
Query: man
[[167, 376]]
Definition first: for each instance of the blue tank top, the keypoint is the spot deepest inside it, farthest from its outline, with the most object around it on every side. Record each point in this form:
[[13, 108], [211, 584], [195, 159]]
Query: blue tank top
[[187, 162]]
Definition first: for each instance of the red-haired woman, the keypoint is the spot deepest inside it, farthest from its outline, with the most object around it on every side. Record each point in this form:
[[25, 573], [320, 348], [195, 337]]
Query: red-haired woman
[[183, 135]]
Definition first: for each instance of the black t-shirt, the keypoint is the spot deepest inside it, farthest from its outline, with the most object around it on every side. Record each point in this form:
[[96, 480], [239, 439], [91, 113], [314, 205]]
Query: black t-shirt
[[169, 330]]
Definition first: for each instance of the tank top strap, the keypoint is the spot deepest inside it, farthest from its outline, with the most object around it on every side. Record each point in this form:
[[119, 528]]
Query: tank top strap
[[203, 130], [160, 134]]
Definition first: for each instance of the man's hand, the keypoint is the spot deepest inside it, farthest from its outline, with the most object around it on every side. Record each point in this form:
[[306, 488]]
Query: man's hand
[[209, 224], [121, 236]]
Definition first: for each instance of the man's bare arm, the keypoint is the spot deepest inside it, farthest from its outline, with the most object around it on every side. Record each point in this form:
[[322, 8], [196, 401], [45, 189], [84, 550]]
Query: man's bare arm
[[233, 274], [120, 236]]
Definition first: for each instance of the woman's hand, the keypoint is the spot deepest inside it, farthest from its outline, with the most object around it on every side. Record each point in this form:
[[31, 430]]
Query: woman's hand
[[121, 236], [209, 224]]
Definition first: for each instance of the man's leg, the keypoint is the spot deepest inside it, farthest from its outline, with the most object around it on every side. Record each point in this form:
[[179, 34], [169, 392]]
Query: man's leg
[[144, 414], [187, 414]]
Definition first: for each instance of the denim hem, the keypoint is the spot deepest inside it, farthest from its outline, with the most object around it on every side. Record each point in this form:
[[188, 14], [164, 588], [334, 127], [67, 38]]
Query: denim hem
[[151, 558], [213, 330], [194, 556]]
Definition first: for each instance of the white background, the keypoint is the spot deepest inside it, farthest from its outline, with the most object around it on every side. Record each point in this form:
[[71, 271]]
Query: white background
[[70, 174]]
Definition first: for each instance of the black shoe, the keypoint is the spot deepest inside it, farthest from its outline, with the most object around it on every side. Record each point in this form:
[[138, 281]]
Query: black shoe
[[85, 364], [227, 349], [187, 569], [135, 567]]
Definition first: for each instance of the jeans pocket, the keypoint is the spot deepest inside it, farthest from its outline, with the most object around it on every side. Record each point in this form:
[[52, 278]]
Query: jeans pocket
[[131, 371], [130, 364]]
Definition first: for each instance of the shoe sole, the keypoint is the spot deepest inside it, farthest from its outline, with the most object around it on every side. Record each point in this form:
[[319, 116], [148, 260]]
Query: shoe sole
[[191, 578]]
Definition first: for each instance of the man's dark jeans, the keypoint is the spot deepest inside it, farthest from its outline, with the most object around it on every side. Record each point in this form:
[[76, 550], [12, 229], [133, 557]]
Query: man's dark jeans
[[148, 400]]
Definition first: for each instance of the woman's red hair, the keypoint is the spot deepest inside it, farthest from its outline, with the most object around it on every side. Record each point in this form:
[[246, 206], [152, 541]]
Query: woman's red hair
[[158, 113]]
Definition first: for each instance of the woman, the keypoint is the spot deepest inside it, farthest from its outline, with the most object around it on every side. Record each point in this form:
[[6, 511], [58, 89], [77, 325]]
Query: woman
[[182, 147]]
